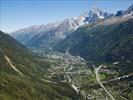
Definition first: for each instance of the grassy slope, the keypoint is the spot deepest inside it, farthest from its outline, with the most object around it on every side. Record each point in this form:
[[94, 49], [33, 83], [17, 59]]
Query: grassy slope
[[28, 87]]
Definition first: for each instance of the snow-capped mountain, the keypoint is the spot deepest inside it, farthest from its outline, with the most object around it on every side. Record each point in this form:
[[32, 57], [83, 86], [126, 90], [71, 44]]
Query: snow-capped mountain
[[127, 12], [120, 13], [47, 35], [96, 14], [91, 16], [110, 39]]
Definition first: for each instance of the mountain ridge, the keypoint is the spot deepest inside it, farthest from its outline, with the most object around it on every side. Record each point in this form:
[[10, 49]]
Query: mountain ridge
[[113, 38], [52, 33], [54, 38]]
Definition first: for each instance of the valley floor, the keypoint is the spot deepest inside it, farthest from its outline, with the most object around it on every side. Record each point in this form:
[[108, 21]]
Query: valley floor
[[102, 83]]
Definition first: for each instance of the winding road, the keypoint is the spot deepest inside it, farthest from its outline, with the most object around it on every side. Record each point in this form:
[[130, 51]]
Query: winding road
[[12, 66], [99, 82], [118, 78]]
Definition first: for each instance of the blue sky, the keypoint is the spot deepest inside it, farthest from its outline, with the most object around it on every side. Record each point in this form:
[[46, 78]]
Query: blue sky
[[17, 14]]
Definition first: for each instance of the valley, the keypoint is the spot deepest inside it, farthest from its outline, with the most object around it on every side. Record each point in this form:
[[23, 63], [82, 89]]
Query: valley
[[82, 76], [86, 57], [22, 77]]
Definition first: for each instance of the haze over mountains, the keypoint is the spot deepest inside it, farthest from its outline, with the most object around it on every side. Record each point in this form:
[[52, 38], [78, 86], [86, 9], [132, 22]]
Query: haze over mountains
[[45, 36], [57, 35], [109, 40], [64, 66]]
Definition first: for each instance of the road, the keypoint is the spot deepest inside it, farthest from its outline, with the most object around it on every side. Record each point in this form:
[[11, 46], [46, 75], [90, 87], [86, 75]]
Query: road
[[13, 67], [75, 88], [118, 78], [48, 81], [99, 82]]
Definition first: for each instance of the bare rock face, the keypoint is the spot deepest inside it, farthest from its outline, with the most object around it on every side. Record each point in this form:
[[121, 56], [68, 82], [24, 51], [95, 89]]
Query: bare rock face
[[45, 36]]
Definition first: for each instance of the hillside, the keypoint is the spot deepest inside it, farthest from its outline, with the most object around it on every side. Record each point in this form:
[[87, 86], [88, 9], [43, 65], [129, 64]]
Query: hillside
[[107, 41], [19, 55], [21, 76]]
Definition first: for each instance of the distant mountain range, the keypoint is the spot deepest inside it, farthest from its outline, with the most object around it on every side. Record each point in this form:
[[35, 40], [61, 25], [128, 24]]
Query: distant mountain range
[[108, 41], [45, 36], [95, 35]]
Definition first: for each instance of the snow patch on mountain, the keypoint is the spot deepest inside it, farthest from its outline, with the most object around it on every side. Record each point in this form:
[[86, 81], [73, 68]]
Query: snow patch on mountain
[[46, 35]]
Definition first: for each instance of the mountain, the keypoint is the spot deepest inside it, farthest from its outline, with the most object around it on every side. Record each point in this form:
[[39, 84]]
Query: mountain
[[119, 13], [19, 54], [129, 10], [46, 36], [22, 77], [109, 40], [96, 14]]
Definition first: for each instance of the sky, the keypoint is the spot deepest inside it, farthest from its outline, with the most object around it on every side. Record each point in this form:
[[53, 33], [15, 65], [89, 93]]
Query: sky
[[17, 14]]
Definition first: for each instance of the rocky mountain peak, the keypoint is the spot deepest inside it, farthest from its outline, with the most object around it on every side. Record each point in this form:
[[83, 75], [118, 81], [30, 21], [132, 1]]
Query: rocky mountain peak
[[129, 10]]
